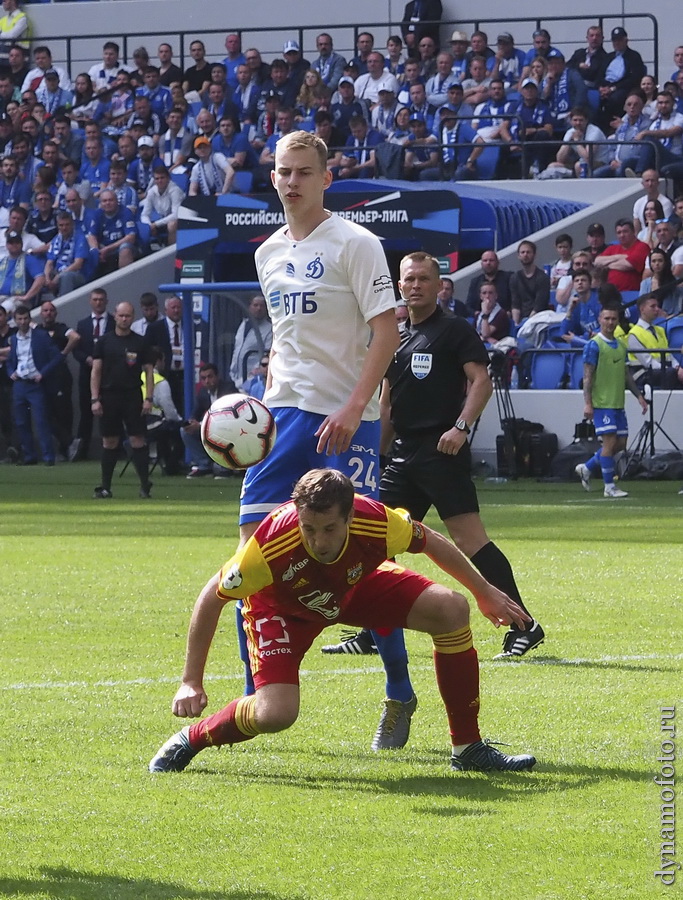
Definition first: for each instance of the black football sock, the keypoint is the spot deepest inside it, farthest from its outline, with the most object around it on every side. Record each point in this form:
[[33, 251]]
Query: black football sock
[[496, 569], [140, 457], [108, 464]]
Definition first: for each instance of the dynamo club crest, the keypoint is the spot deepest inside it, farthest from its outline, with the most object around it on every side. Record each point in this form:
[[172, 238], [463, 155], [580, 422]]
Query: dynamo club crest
[[421, 364]]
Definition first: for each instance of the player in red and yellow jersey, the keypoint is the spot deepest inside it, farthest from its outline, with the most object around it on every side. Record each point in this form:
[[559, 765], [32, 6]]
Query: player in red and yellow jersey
[[321, 559]]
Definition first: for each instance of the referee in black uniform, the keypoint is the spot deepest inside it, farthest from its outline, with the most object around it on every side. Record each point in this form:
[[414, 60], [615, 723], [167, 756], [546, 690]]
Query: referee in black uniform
[[119, 359], [435, 389]]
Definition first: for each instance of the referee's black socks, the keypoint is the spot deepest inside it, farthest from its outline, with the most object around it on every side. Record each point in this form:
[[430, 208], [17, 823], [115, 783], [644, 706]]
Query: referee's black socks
[[140, 457], [496, 569], [108, 464]]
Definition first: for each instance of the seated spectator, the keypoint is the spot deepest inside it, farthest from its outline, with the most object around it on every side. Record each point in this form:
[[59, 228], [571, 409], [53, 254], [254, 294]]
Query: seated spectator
[[582, 262], [619, 74], [95, 168], [563, 90], [8, 91], [650, 183], [266, 125], [563, 245], [577, 150], [84, 101], [103, 74], [401, 131], [169, 73], [358, 159], [508, 61], [583, 309], [21, 275], [254, 336], [626, 259], [529, 285], [143, 118], [411, 76], [657, 369], [541, 48], [492, 322], [218, 103], [140, 63], [245, 97], [333, 137], [455, 133], [69, 145], [491, 273], [347, 107], [662, 280], [297, 66], [312, 96], [259, 71], [364, 44], [456, 103], [42, 58], [383, 116], [665, 133], [234, 58], [159, 96], [395, 59], [422, 156], [175, 144], [285, 125], [490, 121], [212, 174], [595, 235], [476, 87], [54, 98], [627, 128], [652, 213], [83, 217], [420, 105], [126, 195], [160, 207], [279, 84], [367, 86], [141, 169], [18, 67], [479, 46], [42, 221], [448, 302], [27, 163], [66, 257], [197, 77], [212, 387], [6, 130], [17, 223], [70, 178], [329, 65], [113, 235], [234, 145], [13, 191], [206, 124], [427, 49], [256, 385], [437, 86], [665, 231], [116, 105], [588, 60], [535, 127]]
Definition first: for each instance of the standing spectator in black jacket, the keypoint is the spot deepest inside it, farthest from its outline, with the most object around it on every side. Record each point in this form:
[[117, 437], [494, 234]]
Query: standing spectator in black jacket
[[412, 29], [90, 330]]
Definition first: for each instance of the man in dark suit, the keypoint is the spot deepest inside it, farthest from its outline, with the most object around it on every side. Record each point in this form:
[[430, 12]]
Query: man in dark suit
[[212, 388], [59, 403], [167, 334], [620, 73], [588, 60], [90, 330], [416, 12], [32, 359]]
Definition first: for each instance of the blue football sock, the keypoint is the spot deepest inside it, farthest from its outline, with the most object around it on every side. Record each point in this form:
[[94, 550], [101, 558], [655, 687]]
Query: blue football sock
[[392, 649], [607, 466], [593, 464], [244, 653]]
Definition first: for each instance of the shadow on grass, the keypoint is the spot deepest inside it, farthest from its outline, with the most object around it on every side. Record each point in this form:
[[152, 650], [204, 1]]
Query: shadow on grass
[[66, 884], [635, 666]]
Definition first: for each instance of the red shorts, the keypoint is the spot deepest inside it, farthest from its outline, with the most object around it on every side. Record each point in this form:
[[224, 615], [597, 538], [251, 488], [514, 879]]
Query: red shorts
[[278, 642]]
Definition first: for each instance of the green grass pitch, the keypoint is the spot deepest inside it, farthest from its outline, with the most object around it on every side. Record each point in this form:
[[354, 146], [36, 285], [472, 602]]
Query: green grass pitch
[[95, 602]]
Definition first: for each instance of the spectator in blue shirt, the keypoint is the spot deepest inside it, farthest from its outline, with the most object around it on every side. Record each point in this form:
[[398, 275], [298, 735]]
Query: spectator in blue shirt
[[113, 234], [358, 159], [66, 257], [159, 96]]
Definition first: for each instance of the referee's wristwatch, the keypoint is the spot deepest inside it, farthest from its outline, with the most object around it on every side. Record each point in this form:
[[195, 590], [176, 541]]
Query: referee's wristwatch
[[462, 425]]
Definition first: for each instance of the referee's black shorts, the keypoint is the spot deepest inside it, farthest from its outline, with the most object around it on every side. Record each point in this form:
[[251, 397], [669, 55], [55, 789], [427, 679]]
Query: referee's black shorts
[[122, 410], [418, 476]]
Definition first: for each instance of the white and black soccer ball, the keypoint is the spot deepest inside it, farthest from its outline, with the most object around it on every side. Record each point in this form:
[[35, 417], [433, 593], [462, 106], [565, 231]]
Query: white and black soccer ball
[[238, 431]]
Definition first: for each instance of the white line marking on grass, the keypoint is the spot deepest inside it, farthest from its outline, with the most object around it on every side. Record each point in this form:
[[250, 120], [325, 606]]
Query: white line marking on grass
[[327, 673]]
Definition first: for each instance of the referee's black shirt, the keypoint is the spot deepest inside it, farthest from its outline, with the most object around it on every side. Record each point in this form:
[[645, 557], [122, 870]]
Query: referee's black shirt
[[426, 376]]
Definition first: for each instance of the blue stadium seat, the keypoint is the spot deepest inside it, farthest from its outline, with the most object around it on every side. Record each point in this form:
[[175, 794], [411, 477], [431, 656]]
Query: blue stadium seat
[[182, 179], [547, 369], [575, 370], [488, 162], [243, 182], [674, 335]]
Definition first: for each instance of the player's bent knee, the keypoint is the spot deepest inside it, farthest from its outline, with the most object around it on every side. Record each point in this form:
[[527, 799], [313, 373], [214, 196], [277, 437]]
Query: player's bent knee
[[277, 708], [439, 610]]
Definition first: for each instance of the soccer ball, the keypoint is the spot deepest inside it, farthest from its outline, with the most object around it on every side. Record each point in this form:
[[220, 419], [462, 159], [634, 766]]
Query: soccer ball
[[238, 431]]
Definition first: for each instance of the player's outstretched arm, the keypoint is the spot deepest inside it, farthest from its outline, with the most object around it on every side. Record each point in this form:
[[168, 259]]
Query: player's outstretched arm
[[496, 606], [335, 433], [190, 698]]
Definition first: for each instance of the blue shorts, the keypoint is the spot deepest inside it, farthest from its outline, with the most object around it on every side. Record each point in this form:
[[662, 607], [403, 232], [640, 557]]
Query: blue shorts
[[610, 421], [270, 483]]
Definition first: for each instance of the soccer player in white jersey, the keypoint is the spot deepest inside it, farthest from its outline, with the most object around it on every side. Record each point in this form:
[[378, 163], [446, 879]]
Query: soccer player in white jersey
[[331, 301]]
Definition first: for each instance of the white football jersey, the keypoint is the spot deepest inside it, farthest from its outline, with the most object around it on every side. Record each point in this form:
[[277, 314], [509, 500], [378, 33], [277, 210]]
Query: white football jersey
[[321, 293]]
